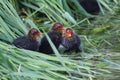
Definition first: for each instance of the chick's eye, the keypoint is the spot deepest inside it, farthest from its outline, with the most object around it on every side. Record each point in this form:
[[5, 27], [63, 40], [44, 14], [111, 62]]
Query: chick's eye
[[68, 31], [57, 25], [33, 31]]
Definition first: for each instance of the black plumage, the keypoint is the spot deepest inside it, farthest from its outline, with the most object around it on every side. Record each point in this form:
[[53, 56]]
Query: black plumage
[[71, 41], [55, 35], [91, 6], [29, 41]]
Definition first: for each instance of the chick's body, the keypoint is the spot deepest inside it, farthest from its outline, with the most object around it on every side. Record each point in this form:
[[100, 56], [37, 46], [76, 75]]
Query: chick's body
[[91, 6], [26, 43], [29, 41], [71, 42], [45, 46], [55, 35]]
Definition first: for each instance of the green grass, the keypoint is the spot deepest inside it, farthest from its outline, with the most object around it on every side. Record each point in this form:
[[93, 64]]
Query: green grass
[[100, 38]]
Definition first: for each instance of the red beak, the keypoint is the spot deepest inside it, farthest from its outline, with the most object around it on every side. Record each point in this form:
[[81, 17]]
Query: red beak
[[62, 28]]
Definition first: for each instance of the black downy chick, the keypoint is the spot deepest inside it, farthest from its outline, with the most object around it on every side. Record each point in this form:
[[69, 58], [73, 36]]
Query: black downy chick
[[29, 42], [71, 41], [91, 6], [55, 35]]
